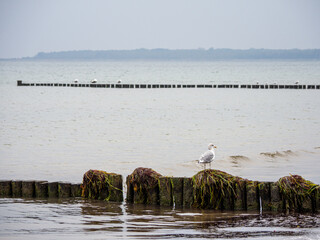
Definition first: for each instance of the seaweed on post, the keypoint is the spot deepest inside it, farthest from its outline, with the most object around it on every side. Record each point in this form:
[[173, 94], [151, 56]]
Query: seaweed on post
[[297, 193], [214, 189], [145, 184], [101, 185]]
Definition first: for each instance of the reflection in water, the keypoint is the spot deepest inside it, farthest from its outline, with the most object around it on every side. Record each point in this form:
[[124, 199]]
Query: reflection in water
[[83, 219]]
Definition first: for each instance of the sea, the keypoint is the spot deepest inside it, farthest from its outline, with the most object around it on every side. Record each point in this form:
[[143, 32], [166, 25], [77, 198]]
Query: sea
[[59, 133]]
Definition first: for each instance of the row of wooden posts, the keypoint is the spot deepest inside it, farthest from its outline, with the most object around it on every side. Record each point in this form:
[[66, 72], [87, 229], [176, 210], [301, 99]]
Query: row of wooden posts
[[145, 86], [170, 191]]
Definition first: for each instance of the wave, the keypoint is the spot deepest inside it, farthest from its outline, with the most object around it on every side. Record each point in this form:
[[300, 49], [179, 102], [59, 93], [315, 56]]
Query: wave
[[239, 157], [278, 154]]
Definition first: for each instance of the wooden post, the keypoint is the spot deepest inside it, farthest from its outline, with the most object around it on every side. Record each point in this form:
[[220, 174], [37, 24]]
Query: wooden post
[[64, 190], [17, 189], [76, 190], [265, 195], [116, 188], [41, 189], [53, 190], [5, 189], [252, 195], [276, 203], [165, 191], [240, 198], [28, 189], [177, 191], [187, 192]]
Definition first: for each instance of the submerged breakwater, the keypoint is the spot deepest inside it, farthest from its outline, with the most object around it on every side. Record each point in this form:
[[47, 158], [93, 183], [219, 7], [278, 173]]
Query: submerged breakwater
[[146, 86], [208, 189]]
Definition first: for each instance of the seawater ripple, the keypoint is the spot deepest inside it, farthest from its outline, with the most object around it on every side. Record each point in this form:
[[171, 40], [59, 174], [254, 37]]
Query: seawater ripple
[[77, 218]]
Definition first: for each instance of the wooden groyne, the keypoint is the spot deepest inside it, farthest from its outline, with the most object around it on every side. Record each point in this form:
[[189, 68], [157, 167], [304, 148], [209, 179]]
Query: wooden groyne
[[150, 86], [208, 189]]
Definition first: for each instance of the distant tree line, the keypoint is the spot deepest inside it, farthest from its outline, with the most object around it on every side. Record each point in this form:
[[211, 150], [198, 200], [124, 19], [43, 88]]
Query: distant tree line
[[191, 54]]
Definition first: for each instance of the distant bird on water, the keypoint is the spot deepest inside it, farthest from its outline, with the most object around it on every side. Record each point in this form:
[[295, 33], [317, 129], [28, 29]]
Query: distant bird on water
[[94, 81], [119, 81], [208, 156], [76, 81]]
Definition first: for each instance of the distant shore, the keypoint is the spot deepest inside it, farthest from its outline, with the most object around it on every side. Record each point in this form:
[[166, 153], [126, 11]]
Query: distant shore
[[179, 55]]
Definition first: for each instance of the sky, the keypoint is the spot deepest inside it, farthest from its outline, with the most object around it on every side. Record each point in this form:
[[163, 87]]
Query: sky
[[31, 26]]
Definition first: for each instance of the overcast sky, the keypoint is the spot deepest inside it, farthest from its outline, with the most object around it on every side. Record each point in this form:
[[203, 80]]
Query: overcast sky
[[31, 26]]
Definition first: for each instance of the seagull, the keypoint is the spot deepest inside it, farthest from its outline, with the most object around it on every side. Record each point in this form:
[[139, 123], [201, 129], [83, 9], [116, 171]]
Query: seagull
[[119, 81], [208, 156], [297, 82], [76, 80], [94, 81]]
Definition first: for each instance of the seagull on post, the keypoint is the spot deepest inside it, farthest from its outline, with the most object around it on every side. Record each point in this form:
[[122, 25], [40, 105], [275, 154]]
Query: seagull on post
[[208, 156]]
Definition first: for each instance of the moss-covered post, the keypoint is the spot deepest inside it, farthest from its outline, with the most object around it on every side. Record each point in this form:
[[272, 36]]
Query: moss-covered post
[[165, 190], [276, 203], [187, 192], [252, 195], [240, 199], [177, 191], [75, 190], [265, 195], [53, 191], [41, 189], [145, 185], [130, 191], [116, 188], [28, 189], [16, 189], [5, 189], [64, 190]]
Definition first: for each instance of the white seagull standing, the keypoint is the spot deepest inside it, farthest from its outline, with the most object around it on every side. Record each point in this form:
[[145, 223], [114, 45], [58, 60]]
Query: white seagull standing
[[208, 156]]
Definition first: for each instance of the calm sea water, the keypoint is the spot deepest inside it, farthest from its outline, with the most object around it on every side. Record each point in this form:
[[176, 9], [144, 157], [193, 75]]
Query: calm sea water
[[49, 133]]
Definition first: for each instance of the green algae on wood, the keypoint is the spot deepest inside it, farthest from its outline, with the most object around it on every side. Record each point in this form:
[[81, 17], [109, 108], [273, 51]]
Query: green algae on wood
[[101, 185], [144, 183], [214, 189], [64, 190], [264, 189], [177, 191], [240, 197], [16, 188], [41, 189], [28, 189], [252, 195], [53, 190], [5, 189], [188, 195], [165, 191], [76, 190], [276, 203], [297, 193]]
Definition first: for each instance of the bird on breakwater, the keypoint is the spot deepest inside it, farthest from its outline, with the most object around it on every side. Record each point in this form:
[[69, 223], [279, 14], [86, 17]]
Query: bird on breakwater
[[94, 81], [208, 156], [119, 81], [76, 81], [297, 82]]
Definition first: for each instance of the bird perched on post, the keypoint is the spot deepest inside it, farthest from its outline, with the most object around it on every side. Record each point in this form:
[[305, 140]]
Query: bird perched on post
[[208, 156]]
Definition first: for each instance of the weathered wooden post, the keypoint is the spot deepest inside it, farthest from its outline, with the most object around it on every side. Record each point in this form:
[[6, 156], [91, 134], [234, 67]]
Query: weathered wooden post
[[102, 185], [177, 191], [264, 196], [76, 190], [187, 192], [28, 189], [240, 198], [16, 188], [165, 191], [252, 195], [41, 189], [276, 203], [53, 190], [145, 185], [64, 190], [5, 189]]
